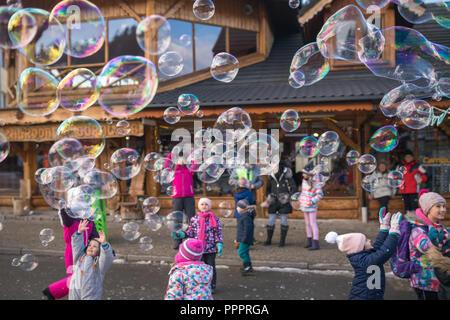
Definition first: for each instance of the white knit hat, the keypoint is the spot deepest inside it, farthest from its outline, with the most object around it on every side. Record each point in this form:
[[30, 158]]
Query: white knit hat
[[208, 201]]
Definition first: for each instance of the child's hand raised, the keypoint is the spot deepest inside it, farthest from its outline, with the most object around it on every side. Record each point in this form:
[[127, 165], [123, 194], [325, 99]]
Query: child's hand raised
[[83, 226], [102, 238], [385, 219]]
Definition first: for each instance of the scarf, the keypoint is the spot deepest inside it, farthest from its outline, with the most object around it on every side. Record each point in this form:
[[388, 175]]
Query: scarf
[[212, 222], [437, 233]]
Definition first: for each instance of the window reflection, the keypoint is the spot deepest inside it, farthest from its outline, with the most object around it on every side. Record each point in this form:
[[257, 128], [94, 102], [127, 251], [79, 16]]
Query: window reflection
[[242, 42], [122, 38], [209, 41]]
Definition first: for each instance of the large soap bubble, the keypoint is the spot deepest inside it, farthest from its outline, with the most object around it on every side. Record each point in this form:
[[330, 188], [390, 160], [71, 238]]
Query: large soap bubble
[[367, 163], [63, 150], [308, 65], [170, 63], [171, 115], [236, 121], [328, 143], [290, 121], [415, 114], [153, 34], [36, 92], [85, 27], [385, 139], [308, 147], [59, 178], [203, 9], [76, 92], [370, 183], [188, 103], [150, 161], [80, 200], [125, 163], [104, 184], [22, 30], [126, 85], [224, 67], [151, 205]]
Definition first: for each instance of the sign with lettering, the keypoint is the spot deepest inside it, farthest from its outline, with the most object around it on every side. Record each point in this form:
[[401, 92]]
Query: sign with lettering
[[427, 160], [47, 132]]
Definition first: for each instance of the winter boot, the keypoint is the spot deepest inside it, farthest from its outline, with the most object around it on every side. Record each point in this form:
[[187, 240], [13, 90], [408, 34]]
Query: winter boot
[[315, 245], [308, 243], [284, 230], [176, 243], [270, 230], [247, 268], [48, 294]]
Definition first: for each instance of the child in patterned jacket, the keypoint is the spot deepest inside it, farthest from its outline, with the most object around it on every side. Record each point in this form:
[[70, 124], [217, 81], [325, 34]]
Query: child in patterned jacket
[[190, 278], [206, 227]]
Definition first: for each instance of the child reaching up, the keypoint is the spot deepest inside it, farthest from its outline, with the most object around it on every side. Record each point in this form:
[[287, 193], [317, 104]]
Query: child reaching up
[[90, 265], [366, 259]]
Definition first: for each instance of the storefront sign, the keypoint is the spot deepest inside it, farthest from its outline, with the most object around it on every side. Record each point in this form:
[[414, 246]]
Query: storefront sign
[[427, 160], [47, 132]]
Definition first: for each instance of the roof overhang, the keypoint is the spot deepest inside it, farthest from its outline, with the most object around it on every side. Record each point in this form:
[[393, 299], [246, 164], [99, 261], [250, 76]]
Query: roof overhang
[[311, 12]]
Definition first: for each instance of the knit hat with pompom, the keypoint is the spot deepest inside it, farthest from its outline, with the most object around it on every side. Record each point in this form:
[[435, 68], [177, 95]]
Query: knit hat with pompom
[[348, 243], [428, 199]]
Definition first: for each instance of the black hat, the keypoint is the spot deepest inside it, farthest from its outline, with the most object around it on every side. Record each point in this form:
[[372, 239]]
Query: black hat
[[309, 167]]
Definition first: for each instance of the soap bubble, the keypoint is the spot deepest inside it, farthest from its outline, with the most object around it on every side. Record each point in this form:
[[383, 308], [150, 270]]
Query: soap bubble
[[295, 201], [176, 221], [415, 114], [368, 4], [22, 29], [153, 222], [262, 149], [367, 163], [123, 127], [225, 209], [36, 92], [169, 191], [130, 231], [85, 164], [444, 87], [224, 67], [145, 243], [126, 85], [85, 27], [153, 34], [82, 81], [80, 200], [328, 143], [163, 163], [297, 79], [171, 115], [46, 235], [151, 205], [352, 157], [203, 9], [104, 183], [308, 147], [370, 183], [203, 138], [395, 179], [211, 170], [56, 200], [170, 63], [195, 159], [185, 40], [87, 131], [60, 178], [15, 262], [237, 121], [28, 262], [393, 99], [125, 163], [414, 11], [200, 114], [63, 150], [294, 4], [440, 13], [4, 147], [308, 65], [188, 103], [290, 121], [385, 139], [150, 160], [166, 176], [48, 45]]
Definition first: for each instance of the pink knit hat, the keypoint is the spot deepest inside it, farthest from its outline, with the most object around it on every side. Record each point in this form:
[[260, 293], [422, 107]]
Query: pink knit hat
[[190, 249], [348, 243], [428, 199]]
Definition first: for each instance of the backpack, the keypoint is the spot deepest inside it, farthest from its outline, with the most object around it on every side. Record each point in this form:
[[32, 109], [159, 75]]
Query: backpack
[[400, 262]]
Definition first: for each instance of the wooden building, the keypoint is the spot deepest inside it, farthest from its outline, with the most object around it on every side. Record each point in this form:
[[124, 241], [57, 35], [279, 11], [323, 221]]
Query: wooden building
[[263, 35]]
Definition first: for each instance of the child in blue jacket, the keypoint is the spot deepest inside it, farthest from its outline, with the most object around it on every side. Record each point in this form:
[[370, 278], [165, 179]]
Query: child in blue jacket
[[366, 259], [242, 192], [244, 233]]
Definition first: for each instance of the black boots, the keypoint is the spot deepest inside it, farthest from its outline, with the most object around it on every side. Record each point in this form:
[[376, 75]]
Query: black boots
[[176, 243], [270, 230], [284, 230], [48, 294], [308, 243], [315, 245], [247, 268]]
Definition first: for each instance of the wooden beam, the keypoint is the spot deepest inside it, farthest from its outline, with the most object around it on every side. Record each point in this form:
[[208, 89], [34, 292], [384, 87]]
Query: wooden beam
[[349, 142], [126, 7], [174, 8]]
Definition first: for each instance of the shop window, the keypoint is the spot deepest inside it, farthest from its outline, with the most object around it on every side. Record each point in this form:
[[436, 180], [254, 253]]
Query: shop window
[[11, 171], [209, 40], [122, 38], [242, 42]]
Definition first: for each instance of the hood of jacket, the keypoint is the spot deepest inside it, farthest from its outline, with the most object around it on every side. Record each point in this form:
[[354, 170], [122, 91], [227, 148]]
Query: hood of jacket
[[438, 260], [418, 218]]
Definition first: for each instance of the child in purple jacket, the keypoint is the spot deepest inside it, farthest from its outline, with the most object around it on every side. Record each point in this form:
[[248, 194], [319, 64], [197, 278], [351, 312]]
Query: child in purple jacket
[[206, 227]]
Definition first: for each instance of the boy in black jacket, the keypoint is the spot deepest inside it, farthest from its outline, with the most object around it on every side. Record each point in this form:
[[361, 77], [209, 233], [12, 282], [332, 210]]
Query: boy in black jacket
[[245, 231]]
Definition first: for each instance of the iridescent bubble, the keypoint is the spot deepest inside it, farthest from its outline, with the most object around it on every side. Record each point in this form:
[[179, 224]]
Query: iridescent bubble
[[15, 262], [48, 45], [185, 40], [224, 67], [145, 243], [225, 209], [308, 65], [84, 164], [203, 138], [308, 147], [4, 147], [415, 114], [263, 150], [290, 121], [130, 231], [234, 121], [370, 183], [63, 150], [61, 178], [367, 163], [104, 184], [150, 160], [123, 127], [176, 221], [440, 12], [126, 85], [164, 163], [23, 28], [56, 200], [36, 92], [328, 143], [393, 99], [46, 235], [28, 262], [203, 9], [211, 170], [166, 176], [169, 191], [384, 139], [170, 63], [414, 11], [87, 131], [188, 103], [125, 163], [352, 157], [294, 4], [200, 114], [151, 205], [172, 115], [153, 222], [80, 200], [367, 4], [444, 86], [395, 179], [81, 81], [153, 34], [85, 27]]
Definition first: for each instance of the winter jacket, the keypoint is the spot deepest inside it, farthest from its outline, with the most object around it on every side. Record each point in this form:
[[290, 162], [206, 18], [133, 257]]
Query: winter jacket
[[190, 281], [383, 190], [240, 194], [183, 182], [366, 263], [409, 181], [212, 235], [441, 265], [88, 272], [310, 196], [281, 184], [246, 226], [253, 175], [419, 244]]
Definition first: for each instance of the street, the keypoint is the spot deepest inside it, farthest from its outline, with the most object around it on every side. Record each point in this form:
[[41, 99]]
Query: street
[[147, 281]]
